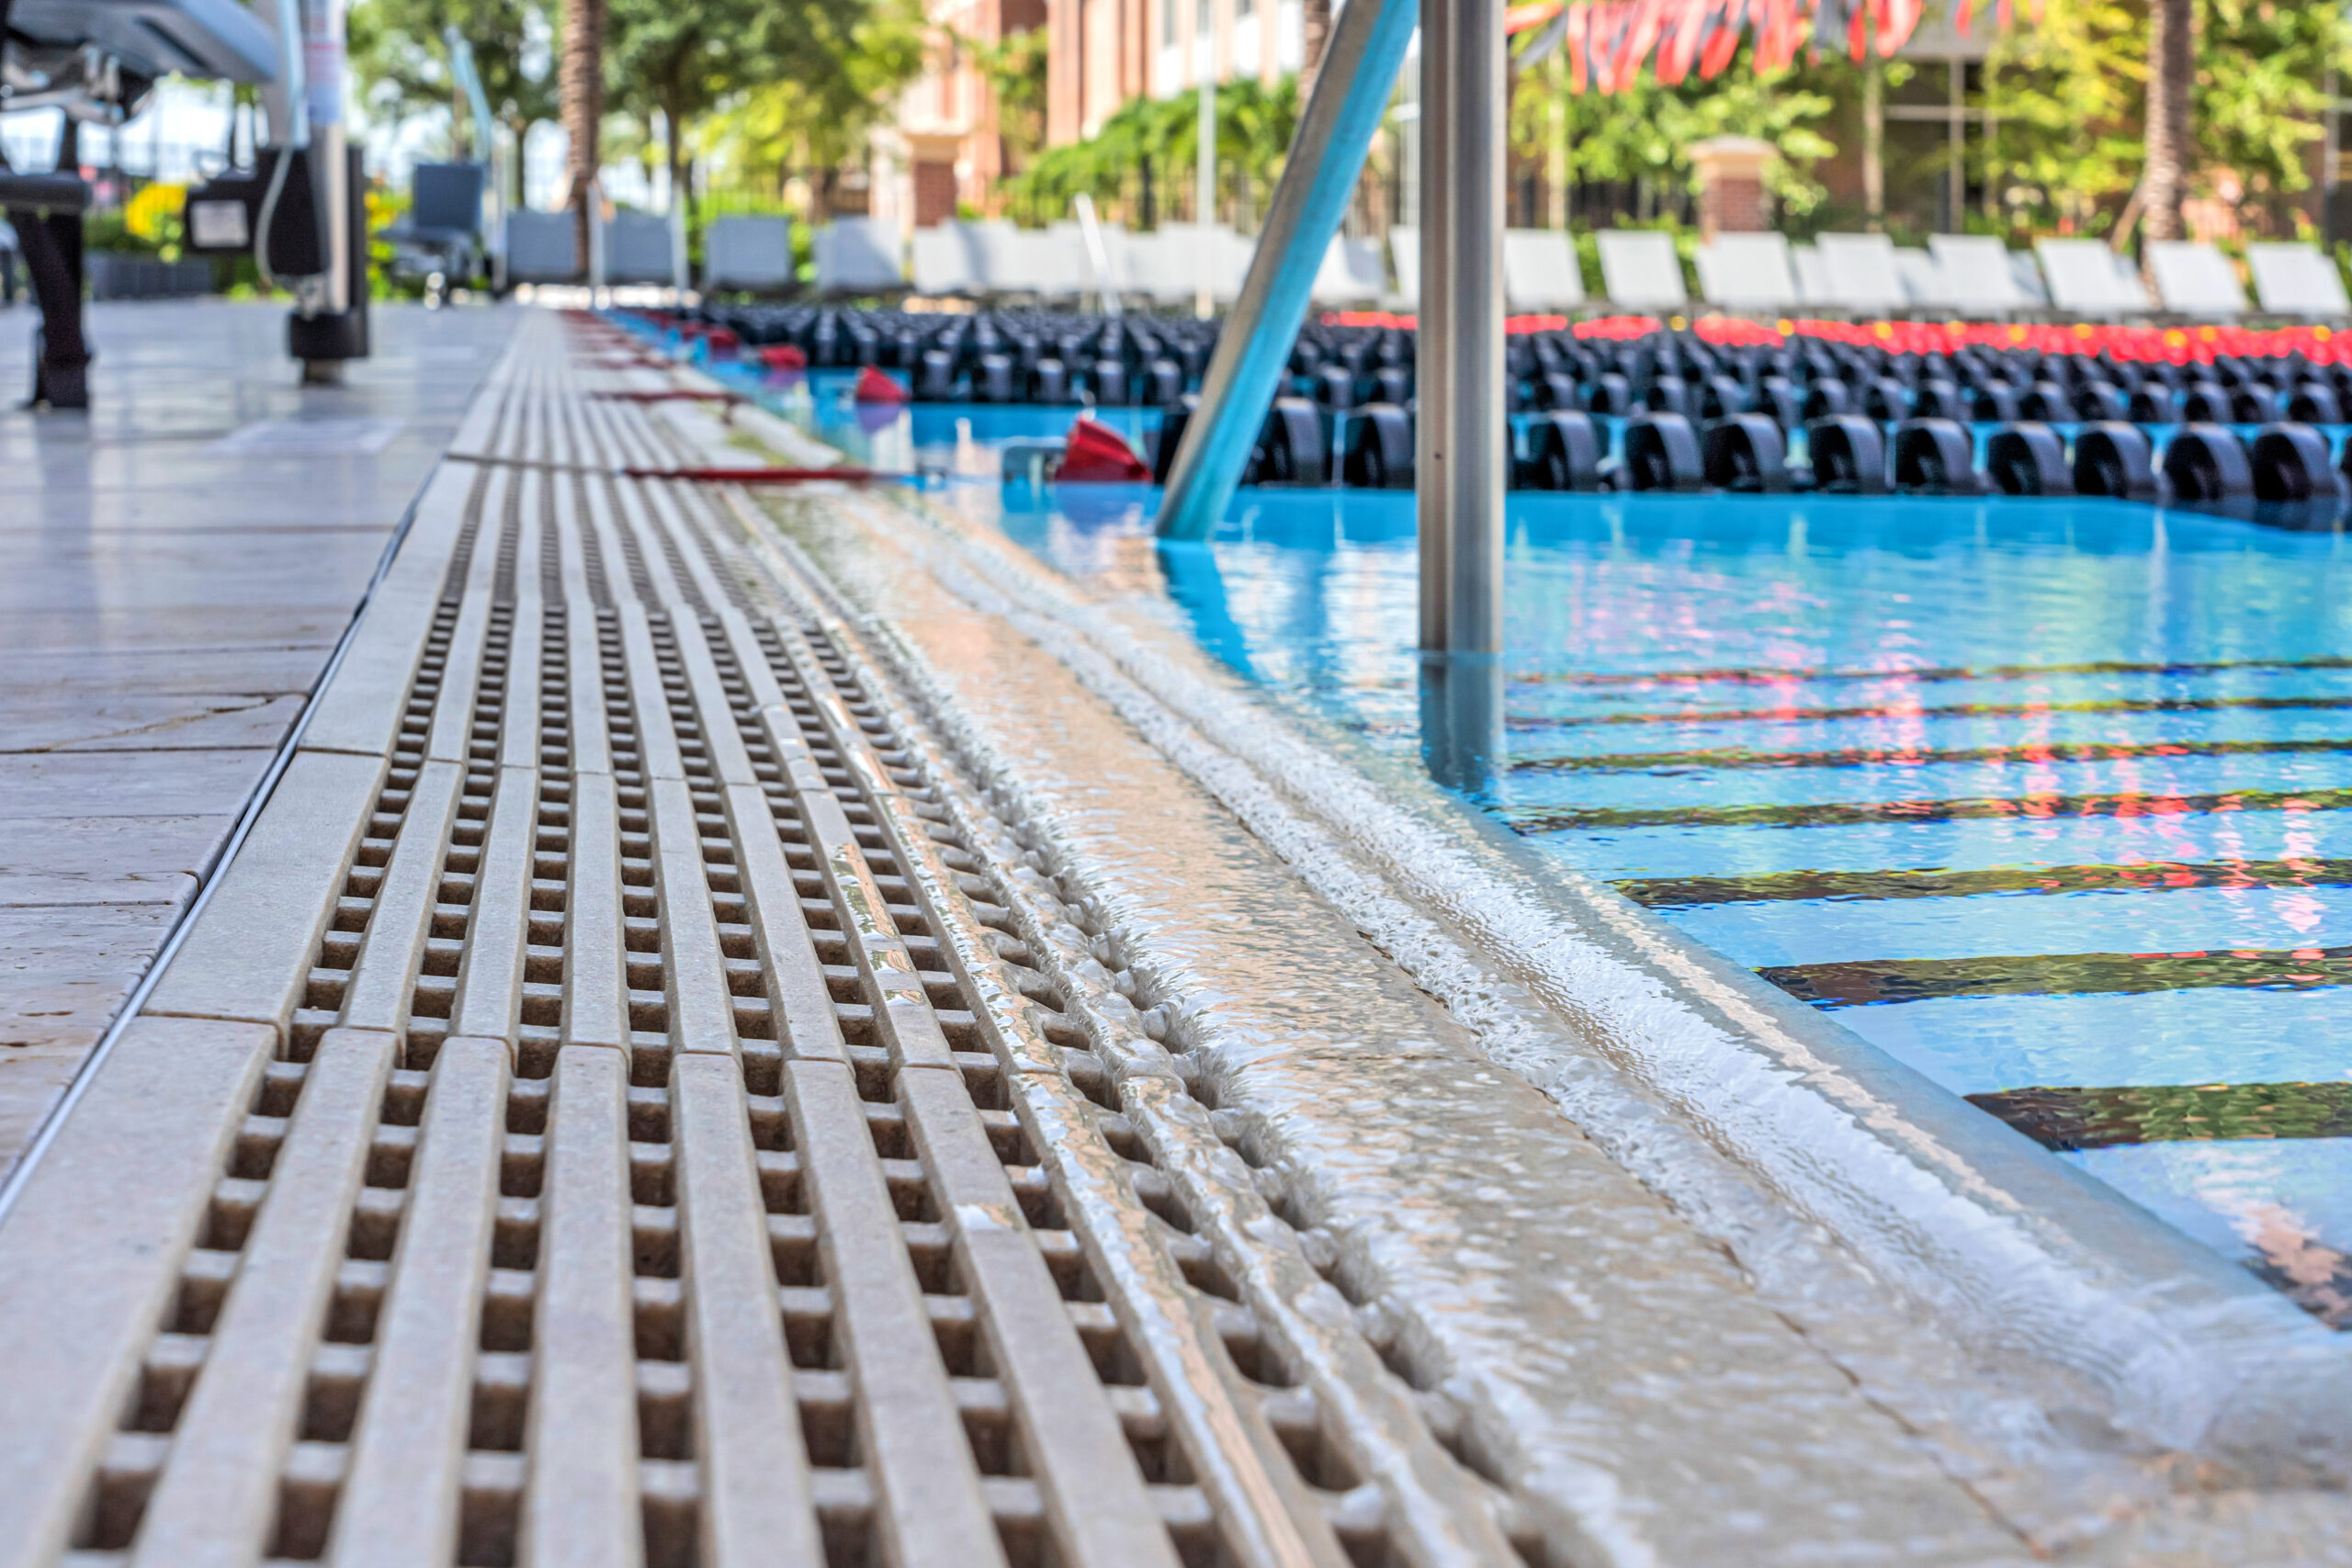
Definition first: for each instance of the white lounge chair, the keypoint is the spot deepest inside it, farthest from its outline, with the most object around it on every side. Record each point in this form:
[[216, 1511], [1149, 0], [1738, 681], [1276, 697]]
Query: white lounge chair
[[542, 247], [2297, 280], [1979, 273], [2027, 273], [1118, 257], [1812, 275], [1157, 267], [2195, 279], [857, 255], [1185, 251], [1058, 260], [2086, 280], [1350, 273], [1238, 252], [638, 249], [1641, 271], [1539, 271], [1924, 288], [1747, 272], [945, 262], [1861, 274], [1003, 261], [1404, 255], [740, 251]]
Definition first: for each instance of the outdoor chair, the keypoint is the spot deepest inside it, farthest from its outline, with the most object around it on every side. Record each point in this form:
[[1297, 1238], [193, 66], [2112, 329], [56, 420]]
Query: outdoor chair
[[740, 251], [1539, 271], [1979, 274], [1641, 271], [1064, 266], [1011, 260], [1811, 275], [2085, 280], [1118, 257], [1747, 272], [542, 247], [1000, 261], [1405, 255], [1228, 258], [1925, 286], [440, 236], [857, 257], [1155, 268], [1862, 275], [2025, 270], [2195, 279], [638, 249], [2297, 280], [944, 261], [1350, 273]]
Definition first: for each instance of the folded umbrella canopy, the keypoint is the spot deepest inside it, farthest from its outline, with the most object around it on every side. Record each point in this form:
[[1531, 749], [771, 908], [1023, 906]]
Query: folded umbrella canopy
[[97, 59], [1609, 41]]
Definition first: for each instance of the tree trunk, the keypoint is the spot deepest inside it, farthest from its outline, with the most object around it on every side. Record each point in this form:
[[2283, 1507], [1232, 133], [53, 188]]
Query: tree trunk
[[582, 85], [2172, 73], [671, 149], [1315, 18]]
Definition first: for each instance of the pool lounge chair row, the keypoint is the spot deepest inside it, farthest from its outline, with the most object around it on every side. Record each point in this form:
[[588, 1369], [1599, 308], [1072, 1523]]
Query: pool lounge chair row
[[1859, 275]]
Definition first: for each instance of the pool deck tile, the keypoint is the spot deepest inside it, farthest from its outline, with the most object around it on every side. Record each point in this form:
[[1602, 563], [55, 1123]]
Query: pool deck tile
[[169, 603]]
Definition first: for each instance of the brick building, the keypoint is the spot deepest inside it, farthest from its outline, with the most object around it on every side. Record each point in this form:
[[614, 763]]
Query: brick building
[[948, 147], [1107, 51]]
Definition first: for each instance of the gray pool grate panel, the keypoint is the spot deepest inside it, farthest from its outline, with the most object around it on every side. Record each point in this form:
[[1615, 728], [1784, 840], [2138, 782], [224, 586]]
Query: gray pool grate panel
[[681, 1147]]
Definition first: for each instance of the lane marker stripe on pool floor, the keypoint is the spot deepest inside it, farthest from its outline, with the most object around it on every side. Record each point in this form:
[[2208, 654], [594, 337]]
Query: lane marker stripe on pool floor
[[2143, 876], [1878, 982], [1832, 813], [2071, 1118], [2035, 753]]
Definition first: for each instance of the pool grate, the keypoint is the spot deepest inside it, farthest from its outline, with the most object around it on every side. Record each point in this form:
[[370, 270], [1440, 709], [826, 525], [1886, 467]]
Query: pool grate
[[657, 1127]]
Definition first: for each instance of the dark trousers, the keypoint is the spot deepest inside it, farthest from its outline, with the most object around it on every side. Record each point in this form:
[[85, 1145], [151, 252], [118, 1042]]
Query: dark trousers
[[52, 243]]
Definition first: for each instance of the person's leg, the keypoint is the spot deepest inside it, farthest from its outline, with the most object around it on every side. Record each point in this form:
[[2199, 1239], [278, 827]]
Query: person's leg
[[52, 249]]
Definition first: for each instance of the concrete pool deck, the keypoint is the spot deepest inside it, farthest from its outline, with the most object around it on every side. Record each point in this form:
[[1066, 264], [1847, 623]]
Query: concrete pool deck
[[736, 1031], [174, 568]]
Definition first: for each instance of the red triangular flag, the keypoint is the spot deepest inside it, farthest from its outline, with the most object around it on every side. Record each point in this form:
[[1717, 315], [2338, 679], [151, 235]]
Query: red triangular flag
[[873, 386], [1095, 455], [783, 356]]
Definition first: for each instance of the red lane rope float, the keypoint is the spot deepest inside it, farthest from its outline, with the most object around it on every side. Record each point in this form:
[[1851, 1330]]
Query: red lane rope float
[[843, 475], [671, 395]]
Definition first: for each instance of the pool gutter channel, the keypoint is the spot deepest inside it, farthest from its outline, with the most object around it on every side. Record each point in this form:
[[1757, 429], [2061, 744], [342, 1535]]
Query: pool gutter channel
[[2032, 1267]]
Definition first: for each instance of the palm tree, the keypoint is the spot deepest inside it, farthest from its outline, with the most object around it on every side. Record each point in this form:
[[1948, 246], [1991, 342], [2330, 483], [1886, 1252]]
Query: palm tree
[[2172, 71], [1315, 18], [583, 77]]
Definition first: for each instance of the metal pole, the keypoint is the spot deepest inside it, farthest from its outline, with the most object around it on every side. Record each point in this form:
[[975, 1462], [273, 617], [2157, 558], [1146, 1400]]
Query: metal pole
[[1958, 206], [1205, 159], [1342, 114], [1463, 429]]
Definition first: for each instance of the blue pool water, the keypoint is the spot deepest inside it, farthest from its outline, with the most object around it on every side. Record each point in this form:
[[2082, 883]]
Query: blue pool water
[[2046, 798]]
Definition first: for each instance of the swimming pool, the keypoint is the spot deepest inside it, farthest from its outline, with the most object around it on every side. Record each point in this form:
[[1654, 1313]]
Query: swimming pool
[[2041, 797]]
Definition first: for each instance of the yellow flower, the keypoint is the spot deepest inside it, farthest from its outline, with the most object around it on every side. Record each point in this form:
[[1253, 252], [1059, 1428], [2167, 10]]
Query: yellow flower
[[152, 208]]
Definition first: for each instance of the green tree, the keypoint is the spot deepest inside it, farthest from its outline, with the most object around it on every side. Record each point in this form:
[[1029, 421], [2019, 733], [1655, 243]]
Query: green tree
[[402, 64], [1254, 127], [2071, 99], [1014, 69], [1645, 132], [824, 76], [678, 58]]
